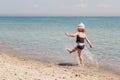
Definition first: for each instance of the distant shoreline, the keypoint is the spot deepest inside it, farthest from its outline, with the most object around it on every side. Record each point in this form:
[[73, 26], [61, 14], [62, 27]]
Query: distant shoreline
[[64, 16]]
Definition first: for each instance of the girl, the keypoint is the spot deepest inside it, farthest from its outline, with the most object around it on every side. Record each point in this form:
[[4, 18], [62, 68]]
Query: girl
[[80, 36]]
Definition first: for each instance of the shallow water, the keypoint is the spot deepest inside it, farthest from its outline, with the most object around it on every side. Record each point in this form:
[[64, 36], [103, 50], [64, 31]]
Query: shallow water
[[43, 38]]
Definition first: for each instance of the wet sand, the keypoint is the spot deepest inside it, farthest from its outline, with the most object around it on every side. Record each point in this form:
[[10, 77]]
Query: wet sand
[[16, 68]]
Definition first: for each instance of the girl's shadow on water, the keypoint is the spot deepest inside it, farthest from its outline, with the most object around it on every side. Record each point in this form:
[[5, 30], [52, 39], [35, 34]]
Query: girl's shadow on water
[[67, 64]]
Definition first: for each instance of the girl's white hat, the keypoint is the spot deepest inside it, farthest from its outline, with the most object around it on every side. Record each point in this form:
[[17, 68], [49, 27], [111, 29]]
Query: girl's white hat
[[81, 25]]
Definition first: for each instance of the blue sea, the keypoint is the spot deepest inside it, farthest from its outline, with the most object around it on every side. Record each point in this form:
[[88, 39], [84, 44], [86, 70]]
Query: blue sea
[[43, 38]]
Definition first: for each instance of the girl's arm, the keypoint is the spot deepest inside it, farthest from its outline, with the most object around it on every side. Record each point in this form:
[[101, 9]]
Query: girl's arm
[[88, 41], [71, 35]]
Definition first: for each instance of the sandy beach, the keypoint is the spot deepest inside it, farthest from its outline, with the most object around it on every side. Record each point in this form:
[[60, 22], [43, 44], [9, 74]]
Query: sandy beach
[[16, 68]]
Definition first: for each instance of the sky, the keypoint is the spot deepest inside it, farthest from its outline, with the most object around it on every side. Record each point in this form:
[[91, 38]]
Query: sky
[[59, 7]]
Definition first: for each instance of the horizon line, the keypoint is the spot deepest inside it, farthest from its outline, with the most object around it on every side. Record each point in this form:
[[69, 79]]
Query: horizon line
[[52, 16]]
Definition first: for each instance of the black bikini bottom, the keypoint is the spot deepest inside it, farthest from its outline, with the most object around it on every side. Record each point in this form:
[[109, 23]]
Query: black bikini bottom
[[80, 47]]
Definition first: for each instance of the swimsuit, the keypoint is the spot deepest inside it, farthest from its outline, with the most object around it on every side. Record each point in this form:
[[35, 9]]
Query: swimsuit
[[80, 40], [80, 47]]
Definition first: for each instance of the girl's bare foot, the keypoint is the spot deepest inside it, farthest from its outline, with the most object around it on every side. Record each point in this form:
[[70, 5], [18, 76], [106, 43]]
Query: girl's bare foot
[[68, 50], [81, 65]]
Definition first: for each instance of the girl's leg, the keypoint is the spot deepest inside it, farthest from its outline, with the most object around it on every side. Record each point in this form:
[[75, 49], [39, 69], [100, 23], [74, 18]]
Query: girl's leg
[[71, 51], [80, 57]]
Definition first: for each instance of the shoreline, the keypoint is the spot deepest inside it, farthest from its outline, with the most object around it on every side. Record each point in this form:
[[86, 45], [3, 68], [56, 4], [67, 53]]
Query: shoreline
[[87, 65], [16, 68]]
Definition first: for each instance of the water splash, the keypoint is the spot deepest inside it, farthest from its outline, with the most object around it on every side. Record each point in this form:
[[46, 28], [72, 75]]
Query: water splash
[[90, 58]]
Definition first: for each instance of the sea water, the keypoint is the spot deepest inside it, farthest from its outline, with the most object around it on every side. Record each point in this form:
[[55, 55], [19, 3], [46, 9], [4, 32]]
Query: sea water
[[44, 38]]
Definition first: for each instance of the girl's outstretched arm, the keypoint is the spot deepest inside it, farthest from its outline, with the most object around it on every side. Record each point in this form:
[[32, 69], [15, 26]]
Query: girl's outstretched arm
[[71, 35], [88, 41]]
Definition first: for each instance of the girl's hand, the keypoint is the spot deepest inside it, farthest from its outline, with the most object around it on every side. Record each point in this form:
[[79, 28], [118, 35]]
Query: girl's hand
[[91, 46], [67, 34]]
